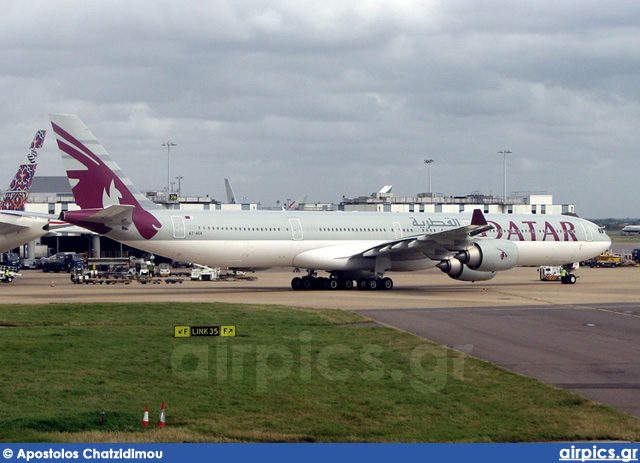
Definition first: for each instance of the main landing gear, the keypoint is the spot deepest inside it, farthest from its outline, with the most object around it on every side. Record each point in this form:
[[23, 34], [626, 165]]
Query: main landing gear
[[568, 278], [313, 281], [385, 283]]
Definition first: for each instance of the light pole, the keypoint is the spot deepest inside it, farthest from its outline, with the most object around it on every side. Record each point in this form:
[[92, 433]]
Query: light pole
[[504, 191], [168, 144], [429, 162], [178, 178]]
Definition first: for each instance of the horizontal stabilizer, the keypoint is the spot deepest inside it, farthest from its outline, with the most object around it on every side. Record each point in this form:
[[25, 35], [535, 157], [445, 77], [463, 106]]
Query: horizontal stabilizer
[[112, 215]]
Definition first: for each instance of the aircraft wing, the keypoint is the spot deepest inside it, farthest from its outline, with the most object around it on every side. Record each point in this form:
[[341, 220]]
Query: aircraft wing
[[434, 245]]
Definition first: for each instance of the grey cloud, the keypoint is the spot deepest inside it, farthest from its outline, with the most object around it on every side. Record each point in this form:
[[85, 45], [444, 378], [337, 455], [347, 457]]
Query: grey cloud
[[336, 97]]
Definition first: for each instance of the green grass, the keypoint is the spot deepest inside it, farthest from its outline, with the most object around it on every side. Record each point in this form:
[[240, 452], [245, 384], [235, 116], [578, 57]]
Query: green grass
[[292, 375], [617, 237]]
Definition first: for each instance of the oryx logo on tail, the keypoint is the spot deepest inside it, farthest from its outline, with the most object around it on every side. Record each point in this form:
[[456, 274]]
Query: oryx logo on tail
[[94, 184]]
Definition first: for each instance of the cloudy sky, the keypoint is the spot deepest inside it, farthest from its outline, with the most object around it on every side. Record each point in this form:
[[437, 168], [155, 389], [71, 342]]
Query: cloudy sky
[[333, 97]]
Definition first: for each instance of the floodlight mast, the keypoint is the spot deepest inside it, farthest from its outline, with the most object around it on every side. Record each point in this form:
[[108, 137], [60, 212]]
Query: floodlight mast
[[168, 144], [429, 162], [179, 178], [504, 166]]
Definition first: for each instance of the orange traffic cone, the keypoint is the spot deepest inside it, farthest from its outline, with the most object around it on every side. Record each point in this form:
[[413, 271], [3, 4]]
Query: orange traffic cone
[[161, 420], [145, 417]]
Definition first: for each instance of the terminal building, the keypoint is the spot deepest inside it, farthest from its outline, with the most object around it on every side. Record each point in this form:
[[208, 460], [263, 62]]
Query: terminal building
[[52, 195], [517, 203], [386, 201]]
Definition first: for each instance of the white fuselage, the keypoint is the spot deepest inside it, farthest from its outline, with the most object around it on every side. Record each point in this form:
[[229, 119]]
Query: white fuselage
[[330, 240]]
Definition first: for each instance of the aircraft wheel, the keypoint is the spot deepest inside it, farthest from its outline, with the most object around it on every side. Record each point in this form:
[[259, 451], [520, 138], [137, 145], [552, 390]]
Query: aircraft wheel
[[332, 284], [296, 283], [307, 283], [347, 284], [362, 283], [372, 283], [387, 284]]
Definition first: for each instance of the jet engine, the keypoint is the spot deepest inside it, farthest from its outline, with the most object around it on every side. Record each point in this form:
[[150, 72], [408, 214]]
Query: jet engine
[[459, 271], [490, 256]]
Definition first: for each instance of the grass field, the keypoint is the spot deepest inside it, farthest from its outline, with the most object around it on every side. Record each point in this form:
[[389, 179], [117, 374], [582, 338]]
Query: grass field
[[617, 237], [292, 375]]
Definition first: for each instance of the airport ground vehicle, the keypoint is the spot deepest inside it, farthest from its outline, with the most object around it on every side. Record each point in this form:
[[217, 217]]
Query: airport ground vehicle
[[550, 273], [164, 270], [62, 262], [606, 260], [11, 259], [555, 273], [7, 274], [29, 263], [179, 263], [202, 273]]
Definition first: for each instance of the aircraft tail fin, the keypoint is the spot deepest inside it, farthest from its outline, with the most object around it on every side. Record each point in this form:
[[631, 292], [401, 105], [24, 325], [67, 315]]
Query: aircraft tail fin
[[231, 196], [18, 193], [297, 203], [97, 182]]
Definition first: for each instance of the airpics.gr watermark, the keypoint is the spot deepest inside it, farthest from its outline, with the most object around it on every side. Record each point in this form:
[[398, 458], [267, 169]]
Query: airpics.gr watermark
[[596, 453], [429, 366]]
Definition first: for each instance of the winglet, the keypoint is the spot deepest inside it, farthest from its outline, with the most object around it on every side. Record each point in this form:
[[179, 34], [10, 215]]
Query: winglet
[[478, 218]]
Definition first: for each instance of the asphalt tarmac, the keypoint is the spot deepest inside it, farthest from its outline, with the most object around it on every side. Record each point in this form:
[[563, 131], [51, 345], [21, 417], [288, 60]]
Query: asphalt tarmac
[[583, 337], [592, 350]]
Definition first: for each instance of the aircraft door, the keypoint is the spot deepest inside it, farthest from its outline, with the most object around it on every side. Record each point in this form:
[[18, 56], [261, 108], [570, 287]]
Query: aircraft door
[[296, 229], [588, 233], [397, 229], [178, 227]]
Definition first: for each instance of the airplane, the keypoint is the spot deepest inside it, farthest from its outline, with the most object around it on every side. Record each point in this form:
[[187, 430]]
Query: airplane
[[16, 228], [360, 246], [631, 229]]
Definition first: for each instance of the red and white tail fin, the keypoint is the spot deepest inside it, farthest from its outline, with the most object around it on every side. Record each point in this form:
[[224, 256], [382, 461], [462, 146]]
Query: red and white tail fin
[[97, 182], [18, 193]]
